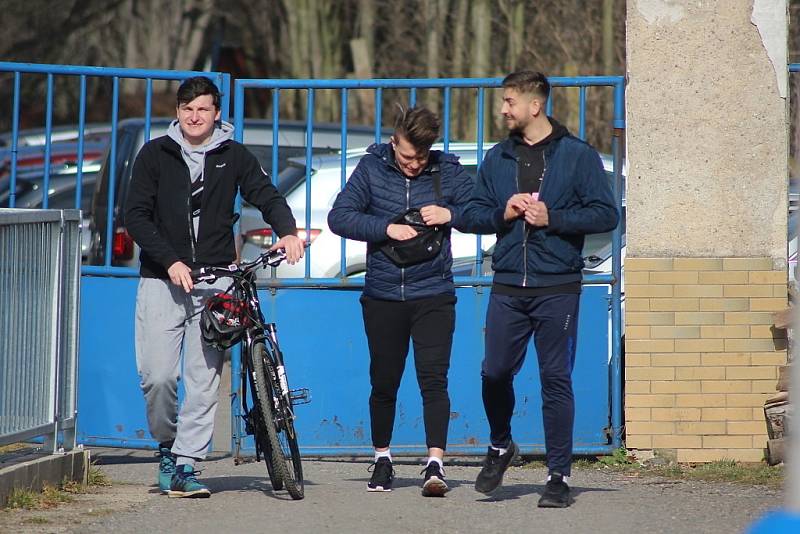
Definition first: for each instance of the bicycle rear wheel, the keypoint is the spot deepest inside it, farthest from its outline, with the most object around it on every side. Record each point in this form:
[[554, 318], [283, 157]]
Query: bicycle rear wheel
[[281, 434]]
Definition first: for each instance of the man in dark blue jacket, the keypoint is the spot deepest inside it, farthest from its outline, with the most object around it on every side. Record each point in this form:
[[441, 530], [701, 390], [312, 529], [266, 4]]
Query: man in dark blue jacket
[[417, 301], [541, 190]]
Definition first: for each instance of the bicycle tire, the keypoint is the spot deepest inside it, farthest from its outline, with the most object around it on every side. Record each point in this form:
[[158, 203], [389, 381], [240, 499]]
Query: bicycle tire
[[263, 415], [281, 435]]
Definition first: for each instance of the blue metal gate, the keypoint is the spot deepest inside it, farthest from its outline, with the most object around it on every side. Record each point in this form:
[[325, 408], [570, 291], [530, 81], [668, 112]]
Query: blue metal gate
[[326, 350]]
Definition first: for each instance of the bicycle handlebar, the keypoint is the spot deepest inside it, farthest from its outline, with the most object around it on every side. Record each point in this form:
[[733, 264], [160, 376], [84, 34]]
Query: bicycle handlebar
[[271, 258]]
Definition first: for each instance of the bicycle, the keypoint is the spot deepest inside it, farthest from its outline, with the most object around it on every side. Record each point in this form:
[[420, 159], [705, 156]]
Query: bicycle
[[271, 419]]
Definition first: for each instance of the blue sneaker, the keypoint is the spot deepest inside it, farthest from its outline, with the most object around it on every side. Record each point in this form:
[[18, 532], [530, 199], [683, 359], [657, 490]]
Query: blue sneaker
[[166, 468], [185, 483]]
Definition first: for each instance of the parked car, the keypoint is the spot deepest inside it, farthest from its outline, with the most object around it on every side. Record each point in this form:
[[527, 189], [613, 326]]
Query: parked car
[[325, 249], [63, 157], [92, 133], [61, 195], [257, 137]]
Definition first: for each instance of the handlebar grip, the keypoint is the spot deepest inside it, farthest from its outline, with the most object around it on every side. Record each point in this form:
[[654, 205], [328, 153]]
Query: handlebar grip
[[200, 275]]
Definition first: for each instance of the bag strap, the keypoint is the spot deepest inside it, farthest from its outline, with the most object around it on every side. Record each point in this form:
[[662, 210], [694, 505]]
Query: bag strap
[[436, 176]]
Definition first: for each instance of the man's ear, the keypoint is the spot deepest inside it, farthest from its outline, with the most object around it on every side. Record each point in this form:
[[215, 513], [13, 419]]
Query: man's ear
[[536, 106]]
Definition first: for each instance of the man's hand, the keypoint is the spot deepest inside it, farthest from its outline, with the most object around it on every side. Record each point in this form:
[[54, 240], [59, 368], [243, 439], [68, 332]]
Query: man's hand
[[536, 214], [180, 275], [294, 247], [400, 232], [433, 215], [516, 206]]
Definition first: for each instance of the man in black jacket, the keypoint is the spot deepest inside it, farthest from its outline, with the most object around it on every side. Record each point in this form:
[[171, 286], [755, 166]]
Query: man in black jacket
[[180, 211], [541, 191]]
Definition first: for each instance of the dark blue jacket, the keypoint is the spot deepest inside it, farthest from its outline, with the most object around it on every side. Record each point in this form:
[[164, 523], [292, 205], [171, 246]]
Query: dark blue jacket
[[579, 201], [376, 193]]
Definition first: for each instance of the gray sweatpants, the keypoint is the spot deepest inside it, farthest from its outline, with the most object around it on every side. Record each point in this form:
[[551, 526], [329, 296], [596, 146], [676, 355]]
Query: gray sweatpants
[[164, 323]]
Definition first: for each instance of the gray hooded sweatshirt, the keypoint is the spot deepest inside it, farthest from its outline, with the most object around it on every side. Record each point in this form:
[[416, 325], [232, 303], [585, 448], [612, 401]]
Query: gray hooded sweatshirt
[[195, 159]]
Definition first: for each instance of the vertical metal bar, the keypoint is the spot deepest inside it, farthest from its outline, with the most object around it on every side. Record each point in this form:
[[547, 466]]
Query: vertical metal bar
[[412, 97], [81, 128], [225, 89], [549, 106], [275, 135], [446, 118], [112, 169], [582, 113], [616, 269], [309, 153], [236, 369], [148, 107], [238, 133], [56, 310], [481, 105], [12, 198], [378, 111], [238, 113], [343, 180], [48, 129]]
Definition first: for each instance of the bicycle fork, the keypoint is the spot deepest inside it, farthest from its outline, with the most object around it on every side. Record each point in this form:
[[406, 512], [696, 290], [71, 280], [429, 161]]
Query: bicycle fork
[[293, 396]]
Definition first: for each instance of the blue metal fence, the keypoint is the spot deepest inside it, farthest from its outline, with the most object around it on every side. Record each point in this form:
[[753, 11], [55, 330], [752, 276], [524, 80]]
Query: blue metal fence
[[328, 346]]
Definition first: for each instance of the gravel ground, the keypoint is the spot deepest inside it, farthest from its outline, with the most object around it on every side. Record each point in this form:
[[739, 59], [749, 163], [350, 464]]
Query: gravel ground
[[336, 501]]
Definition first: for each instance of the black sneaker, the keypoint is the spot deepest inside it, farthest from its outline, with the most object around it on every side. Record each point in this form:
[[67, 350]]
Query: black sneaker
[[556, 493], [434, 484], [494, 466], [382, 475]]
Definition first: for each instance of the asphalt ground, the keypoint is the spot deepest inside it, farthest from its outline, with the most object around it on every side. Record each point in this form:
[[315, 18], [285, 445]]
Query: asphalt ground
[[337, 501]]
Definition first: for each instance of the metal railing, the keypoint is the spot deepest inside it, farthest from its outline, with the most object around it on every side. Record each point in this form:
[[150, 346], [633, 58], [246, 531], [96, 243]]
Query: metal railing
[[39, 291]]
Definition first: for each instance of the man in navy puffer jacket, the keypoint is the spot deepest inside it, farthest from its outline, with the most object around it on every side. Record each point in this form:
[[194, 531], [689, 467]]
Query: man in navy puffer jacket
[[541, 190], [415, 302]]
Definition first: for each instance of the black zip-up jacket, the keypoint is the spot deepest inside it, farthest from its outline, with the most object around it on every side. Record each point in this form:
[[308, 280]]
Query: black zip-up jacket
[[158, 216]]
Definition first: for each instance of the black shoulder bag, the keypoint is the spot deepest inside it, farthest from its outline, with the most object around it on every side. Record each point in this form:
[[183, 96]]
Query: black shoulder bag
[[428, 241]]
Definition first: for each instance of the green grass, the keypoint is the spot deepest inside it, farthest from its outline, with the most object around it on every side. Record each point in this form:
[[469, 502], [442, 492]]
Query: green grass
[[51, 496], [22, 499], [97, 477], [728, 471], [719, 471]]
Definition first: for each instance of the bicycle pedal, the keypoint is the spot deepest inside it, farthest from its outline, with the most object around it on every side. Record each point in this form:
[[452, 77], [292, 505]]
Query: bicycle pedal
[[300, 396]]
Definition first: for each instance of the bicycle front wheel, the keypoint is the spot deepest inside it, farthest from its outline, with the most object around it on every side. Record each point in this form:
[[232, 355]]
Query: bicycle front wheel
[[261, 414], [280, 431]]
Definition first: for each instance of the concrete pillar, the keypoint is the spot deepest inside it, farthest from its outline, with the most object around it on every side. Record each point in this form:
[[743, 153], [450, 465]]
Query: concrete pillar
[[707, 146]]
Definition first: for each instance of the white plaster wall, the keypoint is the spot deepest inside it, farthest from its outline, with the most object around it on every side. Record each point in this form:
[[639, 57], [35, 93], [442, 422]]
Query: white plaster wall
[[706, 128]]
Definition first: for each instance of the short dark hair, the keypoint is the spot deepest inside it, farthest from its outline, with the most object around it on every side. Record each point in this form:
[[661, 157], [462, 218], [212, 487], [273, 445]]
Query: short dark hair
[[528, 81], [419, 125], [191, 88]]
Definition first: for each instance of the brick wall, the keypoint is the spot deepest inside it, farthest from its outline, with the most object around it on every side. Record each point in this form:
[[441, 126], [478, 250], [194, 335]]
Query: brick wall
[[700, 354]]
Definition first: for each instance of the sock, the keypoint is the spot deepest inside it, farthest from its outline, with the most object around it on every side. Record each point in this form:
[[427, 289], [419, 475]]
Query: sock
[[383, 454], [502, 451], [435, 459], [185, 460]]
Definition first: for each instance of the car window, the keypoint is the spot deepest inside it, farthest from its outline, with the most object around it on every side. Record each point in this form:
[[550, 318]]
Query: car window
[[65, 200], [263, 154]]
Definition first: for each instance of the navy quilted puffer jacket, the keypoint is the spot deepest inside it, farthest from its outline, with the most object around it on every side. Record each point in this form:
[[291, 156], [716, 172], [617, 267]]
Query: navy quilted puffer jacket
[[376, 193]]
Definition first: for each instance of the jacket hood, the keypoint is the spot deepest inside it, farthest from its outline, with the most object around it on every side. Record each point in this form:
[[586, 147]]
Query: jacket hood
[[195, 156], [223, 132]]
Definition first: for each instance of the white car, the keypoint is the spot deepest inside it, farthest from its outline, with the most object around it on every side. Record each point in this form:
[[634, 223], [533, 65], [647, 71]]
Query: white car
[[326, 182]]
